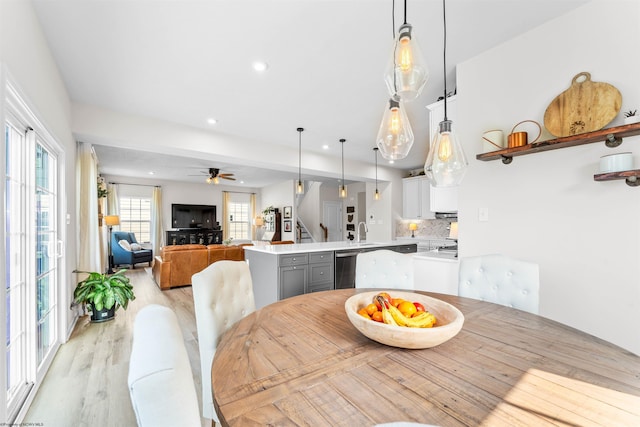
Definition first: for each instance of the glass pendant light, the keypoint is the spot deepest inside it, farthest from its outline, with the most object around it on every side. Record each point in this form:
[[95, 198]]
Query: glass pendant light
[[395, 137], [407, 72], [446, 163], [300, 184], [342, 189], [376, 194]]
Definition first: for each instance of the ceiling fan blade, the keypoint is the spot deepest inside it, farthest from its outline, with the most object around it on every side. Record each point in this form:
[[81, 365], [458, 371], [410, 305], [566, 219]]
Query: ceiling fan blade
[[227, 177], [225, 174]]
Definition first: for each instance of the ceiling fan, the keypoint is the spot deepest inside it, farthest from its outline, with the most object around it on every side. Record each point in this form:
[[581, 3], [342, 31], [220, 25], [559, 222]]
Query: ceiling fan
[[215, 176]]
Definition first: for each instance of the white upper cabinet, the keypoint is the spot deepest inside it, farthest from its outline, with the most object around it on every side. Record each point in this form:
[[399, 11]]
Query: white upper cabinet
[[442, 199], [416, 199]]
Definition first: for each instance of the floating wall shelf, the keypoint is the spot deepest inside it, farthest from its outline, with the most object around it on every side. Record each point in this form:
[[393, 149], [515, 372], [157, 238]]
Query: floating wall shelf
[[632, 177], [612, 137]]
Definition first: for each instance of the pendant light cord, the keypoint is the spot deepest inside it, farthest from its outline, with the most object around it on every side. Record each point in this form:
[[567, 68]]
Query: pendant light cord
[[375, 150], [393, 19], [300, 154], [395, 45], [342, 142], [444, 60], [405, 11]]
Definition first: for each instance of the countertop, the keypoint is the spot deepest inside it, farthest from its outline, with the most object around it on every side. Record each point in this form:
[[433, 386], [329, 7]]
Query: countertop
[[321, 246], [436, 256]]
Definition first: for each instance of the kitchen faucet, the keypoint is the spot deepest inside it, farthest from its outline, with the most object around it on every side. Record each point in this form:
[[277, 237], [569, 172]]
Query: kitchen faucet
[[366, 230]]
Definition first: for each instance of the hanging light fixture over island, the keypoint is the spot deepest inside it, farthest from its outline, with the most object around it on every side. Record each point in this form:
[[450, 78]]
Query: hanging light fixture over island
[[342, 188], [395, 136], [446, 162], [407, 72]]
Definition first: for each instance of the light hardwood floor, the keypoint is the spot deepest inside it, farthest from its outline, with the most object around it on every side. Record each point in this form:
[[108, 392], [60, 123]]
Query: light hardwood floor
[[87, 382]]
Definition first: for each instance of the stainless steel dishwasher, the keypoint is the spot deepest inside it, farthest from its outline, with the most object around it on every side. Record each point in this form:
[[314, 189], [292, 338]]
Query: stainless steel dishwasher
[[345, 268], [345, 262]]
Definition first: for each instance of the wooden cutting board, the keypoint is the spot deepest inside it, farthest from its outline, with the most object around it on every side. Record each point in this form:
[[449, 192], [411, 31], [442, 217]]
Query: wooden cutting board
[[585, 107]]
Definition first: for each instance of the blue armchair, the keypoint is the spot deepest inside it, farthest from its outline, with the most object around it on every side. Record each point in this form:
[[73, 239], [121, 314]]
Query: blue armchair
[[132, 256]]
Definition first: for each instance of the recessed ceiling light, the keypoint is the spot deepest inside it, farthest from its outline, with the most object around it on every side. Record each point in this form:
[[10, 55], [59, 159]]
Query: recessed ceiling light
[[151, 173], [212, 121], [260, 66], [325, 147], [391, 162], [241, 182]]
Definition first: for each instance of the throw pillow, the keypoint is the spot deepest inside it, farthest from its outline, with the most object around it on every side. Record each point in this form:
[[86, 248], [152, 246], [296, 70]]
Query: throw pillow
[[125, 245], [136, 247]]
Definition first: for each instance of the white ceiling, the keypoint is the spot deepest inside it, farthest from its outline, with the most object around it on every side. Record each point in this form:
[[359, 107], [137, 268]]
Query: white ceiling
[[185, 61]]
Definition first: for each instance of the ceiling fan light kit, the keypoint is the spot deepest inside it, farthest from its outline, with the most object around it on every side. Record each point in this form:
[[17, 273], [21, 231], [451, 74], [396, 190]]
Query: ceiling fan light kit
[[215, 176]]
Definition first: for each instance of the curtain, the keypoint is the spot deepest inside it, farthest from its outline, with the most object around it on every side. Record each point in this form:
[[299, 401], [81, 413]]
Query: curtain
[[113, 202], [90, 255], [226, 197], [157, 233], [252, 209]]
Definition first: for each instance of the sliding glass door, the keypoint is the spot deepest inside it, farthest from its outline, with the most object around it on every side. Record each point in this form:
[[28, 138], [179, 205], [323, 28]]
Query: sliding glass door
[[31, 250], [47, 250], [16, 260]]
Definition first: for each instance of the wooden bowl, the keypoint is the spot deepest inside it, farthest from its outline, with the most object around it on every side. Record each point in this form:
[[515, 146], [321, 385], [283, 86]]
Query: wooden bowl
[[449, 321]]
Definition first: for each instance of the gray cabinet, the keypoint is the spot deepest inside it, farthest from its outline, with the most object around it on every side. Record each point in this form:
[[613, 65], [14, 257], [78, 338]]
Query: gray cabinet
[[293, 275], [293, 281], [305, 272], [320, 272]]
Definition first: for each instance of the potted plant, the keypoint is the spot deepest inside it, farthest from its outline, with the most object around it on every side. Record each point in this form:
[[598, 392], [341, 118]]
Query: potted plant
[[631, 117], [104, 293], [102, 188]]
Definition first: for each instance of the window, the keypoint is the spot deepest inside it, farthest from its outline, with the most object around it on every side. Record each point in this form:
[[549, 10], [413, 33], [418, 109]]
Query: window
[[238, 210], [135, 217], [239, 220]]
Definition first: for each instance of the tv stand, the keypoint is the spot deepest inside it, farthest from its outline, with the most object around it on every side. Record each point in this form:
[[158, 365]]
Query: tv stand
[[190, 236]]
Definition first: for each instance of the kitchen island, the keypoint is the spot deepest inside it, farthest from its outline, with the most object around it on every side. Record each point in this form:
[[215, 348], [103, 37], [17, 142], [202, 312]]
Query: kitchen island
[[283, 271]]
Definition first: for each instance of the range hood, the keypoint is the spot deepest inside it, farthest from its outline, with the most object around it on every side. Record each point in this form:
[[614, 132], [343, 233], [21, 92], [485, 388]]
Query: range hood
[[447, 215]]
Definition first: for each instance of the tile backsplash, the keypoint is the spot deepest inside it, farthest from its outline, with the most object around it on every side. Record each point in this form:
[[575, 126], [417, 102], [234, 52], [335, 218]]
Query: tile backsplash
[[427, 228]]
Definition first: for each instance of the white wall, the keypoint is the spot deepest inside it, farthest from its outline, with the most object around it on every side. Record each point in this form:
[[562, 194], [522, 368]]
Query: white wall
[[309, 209], [25, 57], [279, 196], [546, 207], [381, 213], [179, 192]]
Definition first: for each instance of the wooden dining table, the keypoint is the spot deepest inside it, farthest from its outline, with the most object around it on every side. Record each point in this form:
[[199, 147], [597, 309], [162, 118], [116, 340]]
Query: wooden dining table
[[300, 362]]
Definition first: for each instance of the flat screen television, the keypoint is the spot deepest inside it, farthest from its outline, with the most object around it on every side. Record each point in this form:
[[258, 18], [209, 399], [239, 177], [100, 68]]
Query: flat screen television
[[193, 216]]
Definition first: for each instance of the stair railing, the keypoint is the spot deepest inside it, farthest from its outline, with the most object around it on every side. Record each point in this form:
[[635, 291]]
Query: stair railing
[[325, 232], [300, 227]]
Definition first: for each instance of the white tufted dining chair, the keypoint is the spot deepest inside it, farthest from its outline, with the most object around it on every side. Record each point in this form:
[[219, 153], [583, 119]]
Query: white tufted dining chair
[[222, 295], [384, 269], [502, 280]]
